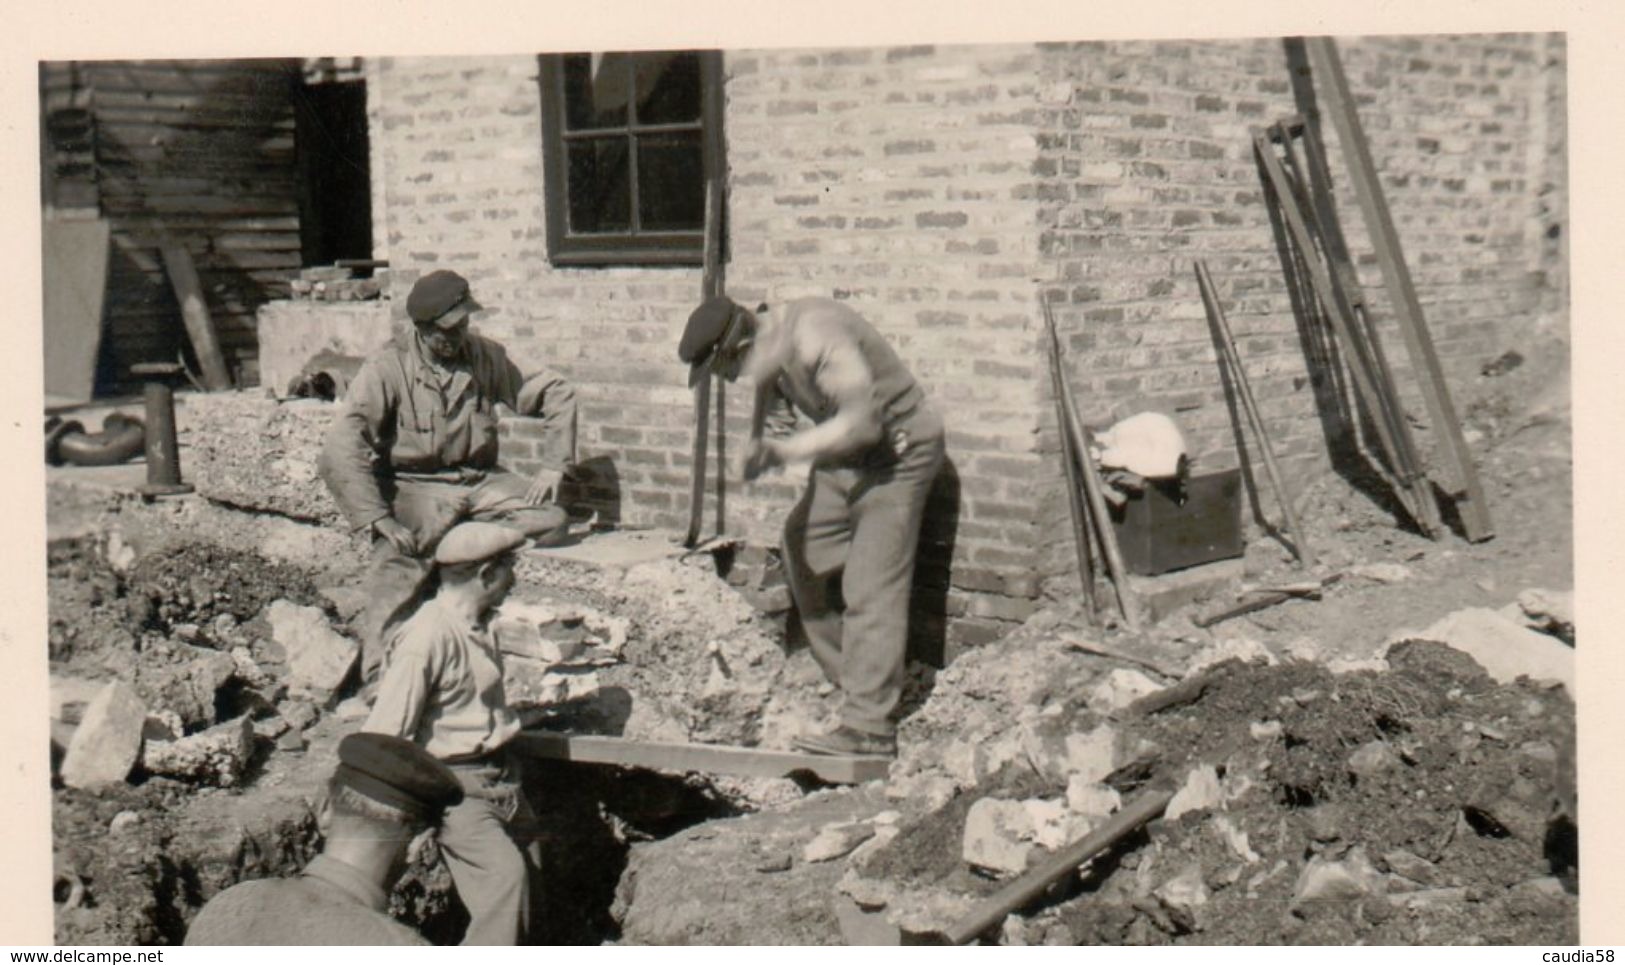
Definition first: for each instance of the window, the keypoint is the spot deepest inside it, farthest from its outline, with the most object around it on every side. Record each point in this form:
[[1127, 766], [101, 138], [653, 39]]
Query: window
[[628, 142]]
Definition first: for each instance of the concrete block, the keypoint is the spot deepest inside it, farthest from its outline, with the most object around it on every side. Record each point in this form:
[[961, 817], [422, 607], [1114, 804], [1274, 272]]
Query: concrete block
[[1184, 896], [217, 756], [1090, 799], [319, 657], [1349, 879], [836, 840], [1092, 756], [1504, 649], [108, 741], [1200, 792], [998, 836], [1120, 688]]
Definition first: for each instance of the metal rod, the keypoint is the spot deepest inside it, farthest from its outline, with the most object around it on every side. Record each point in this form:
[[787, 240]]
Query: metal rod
[[1074, 480], [1215, 314], [1094, 490]]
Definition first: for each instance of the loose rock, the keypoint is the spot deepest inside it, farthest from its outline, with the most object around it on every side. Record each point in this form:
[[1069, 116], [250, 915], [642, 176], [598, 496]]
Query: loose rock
[[108, 741], [319, 658], [836, 840], [217, 756], [1200, 791], [998, 836]]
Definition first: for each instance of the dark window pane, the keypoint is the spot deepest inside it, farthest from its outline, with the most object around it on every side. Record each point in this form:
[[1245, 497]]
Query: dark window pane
[[671, 182], [595, 88], [600, 195], [668, 88]]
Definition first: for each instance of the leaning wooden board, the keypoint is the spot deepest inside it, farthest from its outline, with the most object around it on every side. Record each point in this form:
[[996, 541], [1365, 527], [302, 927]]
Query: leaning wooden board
[[704, 758]]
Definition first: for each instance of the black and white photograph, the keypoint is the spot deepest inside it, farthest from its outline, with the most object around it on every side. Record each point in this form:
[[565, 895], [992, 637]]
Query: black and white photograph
[[1084, 489]]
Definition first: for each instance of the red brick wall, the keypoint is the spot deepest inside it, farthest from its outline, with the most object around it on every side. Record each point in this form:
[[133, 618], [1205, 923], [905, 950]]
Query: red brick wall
[[938, 189]]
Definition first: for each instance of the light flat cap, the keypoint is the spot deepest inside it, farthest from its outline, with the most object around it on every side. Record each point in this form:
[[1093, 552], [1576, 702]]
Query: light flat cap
[[475, 542]]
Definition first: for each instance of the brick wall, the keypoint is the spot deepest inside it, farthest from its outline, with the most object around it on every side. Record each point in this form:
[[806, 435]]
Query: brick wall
[[938, 190], [1147, 165]]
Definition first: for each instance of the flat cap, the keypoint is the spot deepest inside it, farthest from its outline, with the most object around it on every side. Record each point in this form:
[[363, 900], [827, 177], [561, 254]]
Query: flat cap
[[474, 542], [712, 326], [441, 297], [397, 773]]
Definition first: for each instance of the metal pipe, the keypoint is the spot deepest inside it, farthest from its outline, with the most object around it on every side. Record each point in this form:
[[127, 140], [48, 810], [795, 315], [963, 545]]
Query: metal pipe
[[163, 451], [121, 437]]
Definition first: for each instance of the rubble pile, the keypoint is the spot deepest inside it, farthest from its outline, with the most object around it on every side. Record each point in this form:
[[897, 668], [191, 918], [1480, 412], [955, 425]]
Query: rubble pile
[[1422, 804], [277, 474], [177, 682], [699, 663]]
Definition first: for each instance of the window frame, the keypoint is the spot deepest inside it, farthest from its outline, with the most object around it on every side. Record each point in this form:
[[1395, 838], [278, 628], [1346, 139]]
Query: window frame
[[632, 248]]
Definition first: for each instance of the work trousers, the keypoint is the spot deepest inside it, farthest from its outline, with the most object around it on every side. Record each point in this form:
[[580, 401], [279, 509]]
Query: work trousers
[[430, 506], [863, 520], [489, 845]]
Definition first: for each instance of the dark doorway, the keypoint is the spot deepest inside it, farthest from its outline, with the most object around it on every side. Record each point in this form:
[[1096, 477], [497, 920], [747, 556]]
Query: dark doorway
[[335, 203]]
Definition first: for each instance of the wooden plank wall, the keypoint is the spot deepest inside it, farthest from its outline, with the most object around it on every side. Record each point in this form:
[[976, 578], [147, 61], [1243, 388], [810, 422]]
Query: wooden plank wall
[[201, 151]]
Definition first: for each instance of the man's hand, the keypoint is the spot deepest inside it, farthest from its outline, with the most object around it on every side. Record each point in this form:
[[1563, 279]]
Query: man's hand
[[399, 535], [545, 488], [760, 456]]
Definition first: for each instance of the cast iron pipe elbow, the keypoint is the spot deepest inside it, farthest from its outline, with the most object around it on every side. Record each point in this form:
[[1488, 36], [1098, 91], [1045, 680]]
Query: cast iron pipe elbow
[[122, 436]]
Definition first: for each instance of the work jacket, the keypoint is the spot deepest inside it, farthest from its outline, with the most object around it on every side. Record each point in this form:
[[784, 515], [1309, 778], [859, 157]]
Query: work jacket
[[330, 903], [404, 415]]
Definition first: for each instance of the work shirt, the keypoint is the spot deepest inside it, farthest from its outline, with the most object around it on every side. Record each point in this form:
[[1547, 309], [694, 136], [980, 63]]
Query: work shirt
[[405, 413], [835, 352], [442, 687], [329, 903]]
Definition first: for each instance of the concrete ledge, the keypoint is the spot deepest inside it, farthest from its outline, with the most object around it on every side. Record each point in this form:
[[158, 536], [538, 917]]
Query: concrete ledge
[[1159, 596]]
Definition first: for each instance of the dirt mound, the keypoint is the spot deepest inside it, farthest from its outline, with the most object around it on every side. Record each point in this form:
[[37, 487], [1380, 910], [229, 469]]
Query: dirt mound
[[1417, 805]]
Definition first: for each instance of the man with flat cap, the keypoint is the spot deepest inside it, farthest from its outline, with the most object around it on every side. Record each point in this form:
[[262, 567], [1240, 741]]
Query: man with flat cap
[[384, 792], [414, 450], [875, 446], [442, 688]]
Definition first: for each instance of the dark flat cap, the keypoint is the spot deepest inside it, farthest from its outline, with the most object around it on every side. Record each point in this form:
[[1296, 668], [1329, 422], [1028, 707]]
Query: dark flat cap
[[708, 328], [441, 297], [475, 541], [397, 773]]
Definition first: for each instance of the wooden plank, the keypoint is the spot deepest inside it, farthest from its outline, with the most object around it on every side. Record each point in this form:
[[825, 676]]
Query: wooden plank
[[1364, 379], [195, 313], [1094, 492], [1454, 456], [702, 758], [75, 287], [1320, 210]]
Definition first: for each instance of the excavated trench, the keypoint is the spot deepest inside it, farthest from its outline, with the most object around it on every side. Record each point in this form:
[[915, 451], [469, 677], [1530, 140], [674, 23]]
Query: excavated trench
[[136, 860]]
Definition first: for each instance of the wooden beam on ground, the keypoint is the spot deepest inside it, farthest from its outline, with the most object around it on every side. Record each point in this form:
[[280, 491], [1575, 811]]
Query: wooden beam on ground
[[1332, 84], [195, 313], [703, 758]]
